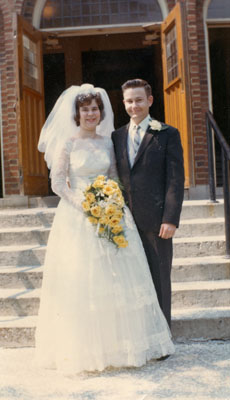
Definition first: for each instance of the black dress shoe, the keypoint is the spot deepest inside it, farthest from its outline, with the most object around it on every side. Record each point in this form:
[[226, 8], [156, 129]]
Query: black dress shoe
[[163, 358]]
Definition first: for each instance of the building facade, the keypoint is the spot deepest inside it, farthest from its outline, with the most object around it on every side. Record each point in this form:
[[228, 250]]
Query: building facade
[[180, 47]]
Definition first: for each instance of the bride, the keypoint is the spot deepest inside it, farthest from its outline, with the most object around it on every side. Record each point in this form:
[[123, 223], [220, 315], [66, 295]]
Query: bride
[[98, 304]]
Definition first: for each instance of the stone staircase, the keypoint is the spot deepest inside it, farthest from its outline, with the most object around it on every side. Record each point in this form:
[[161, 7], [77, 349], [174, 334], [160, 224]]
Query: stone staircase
[[200, 275]]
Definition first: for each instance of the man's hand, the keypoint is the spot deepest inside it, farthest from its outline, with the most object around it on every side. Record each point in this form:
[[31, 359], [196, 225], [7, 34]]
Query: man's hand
[[167, 231]]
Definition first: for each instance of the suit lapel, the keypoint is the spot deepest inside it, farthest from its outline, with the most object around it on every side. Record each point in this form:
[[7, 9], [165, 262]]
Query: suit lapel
[[123, 146], [145, 142]]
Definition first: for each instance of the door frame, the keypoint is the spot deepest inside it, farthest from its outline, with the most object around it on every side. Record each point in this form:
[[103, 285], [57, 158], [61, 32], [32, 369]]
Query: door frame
[[211, 24], [208, 24]]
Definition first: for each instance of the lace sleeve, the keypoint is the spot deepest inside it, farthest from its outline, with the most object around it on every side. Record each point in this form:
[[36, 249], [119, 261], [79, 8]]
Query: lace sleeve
[[112, 173], [59, 177]]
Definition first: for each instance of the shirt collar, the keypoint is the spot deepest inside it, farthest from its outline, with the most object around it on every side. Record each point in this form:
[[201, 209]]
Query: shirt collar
[[143, 124]]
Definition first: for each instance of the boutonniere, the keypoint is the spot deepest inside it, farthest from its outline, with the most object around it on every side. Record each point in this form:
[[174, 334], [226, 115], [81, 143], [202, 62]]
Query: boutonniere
[[156, 125]]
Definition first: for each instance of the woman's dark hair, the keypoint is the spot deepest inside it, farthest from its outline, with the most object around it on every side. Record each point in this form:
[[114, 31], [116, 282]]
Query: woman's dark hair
[[134, 83], [86, 99]]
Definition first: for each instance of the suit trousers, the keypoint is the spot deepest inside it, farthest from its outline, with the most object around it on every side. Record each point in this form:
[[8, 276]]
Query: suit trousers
[[159, 253]]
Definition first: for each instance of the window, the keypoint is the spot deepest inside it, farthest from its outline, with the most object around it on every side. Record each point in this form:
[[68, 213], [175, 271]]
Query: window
[[65, 13], [219, 9], [30, 56], [171, 54]]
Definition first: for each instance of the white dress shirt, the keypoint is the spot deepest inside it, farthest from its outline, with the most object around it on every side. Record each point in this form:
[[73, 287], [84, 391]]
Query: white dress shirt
[[132, 129]]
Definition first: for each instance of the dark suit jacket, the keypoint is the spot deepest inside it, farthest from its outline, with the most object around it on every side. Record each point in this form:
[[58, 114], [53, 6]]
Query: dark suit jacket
[[154, 186]]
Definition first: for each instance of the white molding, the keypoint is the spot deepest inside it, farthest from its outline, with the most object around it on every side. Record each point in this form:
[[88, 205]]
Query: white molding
[[37, 13], [205, 9], [39, 5], [164, 8]]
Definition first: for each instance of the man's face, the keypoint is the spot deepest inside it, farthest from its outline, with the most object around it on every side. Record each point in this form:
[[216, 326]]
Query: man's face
[[137, 103]]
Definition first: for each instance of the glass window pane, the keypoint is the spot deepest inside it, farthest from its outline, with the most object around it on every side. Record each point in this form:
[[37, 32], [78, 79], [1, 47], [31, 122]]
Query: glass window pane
[[219, 9], [30, 58], [64, 13], [171, 54]]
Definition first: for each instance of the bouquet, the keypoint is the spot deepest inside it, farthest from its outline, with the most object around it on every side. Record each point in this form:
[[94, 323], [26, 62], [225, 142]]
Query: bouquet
[[104, 206]]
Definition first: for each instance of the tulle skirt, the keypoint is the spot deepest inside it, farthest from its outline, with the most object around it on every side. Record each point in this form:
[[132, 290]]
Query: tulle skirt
[[98, 303]]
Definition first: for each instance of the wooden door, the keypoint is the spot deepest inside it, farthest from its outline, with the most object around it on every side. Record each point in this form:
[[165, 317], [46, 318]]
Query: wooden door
[[176, 80], [31, 115]]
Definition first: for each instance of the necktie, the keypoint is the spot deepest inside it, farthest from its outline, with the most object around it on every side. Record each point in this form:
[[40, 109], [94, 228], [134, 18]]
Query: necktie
[[137, 139]]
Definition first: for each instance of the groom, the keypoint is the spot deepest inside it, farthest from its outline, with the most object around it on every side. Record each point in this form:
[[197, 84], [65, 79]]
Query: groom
[[150, 165]]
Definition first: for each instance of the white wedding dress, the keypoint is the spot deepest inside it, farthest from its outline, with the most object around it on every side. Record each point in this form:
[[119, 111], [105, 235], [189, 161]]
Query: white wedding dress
[[98, 304]]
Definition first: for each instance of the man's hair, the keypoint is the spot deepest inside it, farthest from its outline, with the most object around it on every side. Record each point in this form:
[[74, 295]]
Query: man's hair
[[135, 83]]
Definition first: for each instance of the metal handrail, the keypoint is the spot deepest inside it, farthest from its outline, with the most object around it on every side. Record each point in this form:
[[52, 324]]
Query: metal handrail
[[212, 128]]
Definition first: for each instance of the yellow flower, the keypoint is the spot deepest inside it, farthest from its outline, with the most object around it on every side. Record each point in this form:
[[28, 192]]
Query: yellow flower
[[90, 197], [114, 221], [107, 189], [117, 229], [110, 209], [87, 188], [95, 211], [124, 244], [100, 178], [85, 205], [120, 241], [93, 220], [112, 183], [101, 229], [118, 214], [98, 183], [119, 199], [104, 220]]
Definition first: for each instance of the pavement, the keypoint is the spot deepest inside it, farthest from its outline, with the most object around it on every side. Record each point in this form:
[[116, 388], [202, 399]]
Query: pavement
[[199, 371]]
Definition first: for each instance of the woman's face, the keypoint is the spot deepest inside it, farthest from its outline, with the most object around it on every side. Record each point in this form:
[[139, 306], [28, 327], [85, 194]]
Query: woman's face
[[89, 116]]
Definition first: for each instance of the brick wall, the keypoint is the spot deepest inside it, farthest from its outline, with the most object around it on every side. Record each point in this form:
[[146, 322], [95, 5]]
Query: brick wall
[[199, 87], [198, 80], [8, 93]]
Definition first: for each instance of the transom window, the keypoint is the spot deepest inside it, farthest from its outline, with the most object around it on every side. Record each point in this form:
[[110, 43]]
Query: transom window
[[219, 9], [66, 13]]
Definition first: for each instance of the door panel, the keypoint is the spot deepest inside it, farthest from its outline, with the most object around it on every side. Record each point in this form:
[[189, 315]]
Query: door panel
[[34, 174], [176, 82]]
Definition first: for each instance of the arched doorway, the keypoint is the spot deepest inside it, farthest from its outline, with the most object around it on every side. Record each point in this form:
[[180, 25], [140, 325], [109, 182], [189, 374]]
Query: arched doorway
[[103, 43], [217, 18], [106, 55]]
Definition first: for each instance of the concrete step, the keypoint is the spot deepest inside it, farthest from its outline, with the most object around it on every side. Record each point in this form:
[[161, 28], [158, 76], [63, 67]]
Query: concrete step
[[183, 270], [199, 246], [17, 331], [23, 235], [39, 234], [202, 209], [23, 255], [201, 294], [29, 277], [18, 201], [200, 268], [201, 227], [201, 324], [187, 324], [16, 218], [21, 302], [43, 216]]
